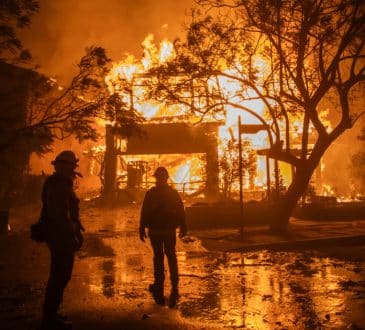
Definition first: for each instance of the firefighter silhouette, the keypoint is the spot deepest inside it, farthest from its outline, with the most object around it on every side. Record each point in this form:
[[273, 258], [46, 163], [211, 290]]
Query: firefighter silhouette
[[162, 212], [60, 214]]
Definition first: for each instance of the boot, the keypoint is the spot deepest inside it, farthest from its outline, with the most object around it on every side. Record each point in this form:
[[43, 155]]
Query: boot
[[174, 297], [157, 293]]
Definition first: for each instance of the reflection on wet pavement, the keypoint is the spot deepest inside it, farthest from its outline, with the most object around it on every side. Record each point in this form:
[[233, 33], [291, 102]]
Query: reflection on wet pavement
[[251, 290], [261, 290]]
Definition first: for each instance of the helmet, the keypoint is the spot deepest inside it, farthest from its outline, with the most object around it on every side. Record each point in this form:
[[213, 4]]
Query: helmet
[[66, 157], [161, 172]]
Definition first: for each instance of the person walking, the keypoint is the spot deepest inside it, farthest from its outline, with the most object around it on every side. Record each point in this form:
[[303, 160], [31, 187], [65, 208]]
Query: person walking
[[60, 214], [162, 212]]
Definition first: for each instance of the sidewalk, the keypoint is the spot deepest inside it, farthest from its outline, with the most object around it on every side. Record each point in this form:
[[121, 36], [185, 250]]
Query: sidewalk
[[303, 234]]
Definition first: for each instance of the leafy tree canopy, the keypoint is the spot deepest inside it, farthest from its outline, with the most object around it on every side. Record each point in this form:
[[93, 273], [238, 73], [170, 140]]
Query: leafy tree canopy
[[303, 60], [15, 15]]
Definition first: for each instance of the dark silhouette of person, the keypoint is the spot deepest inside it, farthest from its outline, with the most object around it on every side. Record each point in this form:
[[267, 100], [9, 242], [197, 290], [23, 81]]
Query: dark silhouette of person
[[60, 213], [162, 212]]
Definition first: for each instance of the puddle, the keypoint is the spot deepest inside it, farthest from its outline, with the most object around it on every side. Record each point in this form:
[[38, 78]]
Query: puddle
[[263, 290]]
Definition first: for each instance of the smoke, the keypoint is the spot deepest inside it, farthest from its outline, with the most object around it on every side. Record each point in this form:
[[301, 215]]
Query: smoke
[[337, 161], [63, 29]]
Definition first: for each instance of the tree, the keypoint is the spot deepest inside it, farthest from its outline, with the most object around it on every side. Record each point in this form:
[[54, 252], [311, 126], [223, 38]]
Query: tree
[[15, 15], [229, 166], [54, 112], [301, 59], [35, 111]]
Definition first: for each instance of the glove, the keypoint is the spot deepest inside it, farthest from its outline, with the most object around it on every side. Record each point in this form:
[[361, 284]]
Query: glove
[[38, 232], [142, 234]]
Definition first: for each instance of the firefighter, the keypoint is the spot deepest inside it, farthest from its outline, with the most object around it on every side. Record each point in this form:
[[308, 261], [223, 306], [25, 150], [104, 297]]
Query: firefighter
[[162, 212], [60, 213]]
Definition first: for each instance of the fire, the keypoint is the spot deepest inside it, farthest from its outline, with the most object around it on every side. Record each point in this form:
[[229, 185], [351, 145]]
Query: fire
[[327, 190], [184, 170], [122, 70], [127, 78], [156, 56], [129, 74]]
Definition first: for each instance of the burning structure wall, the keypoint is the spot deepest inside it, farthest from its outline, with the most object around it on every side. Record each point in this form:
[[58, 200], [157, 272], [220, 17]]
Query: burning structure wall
[[174, 129], [169, 139], [165, 136]]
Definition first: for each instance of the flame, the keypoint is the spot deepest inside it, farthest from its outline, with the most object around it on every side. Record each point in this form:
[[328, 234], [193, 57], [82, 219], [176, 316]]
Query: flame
[[122, 70], [127, 78], [129, 72], [167, 52], [327, 190]]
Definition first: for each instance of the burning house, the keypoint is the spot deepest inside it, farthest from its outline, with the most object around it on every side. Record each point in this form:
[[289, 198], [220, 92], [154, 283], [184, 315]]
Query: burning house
[[201, 154], [178, 145]]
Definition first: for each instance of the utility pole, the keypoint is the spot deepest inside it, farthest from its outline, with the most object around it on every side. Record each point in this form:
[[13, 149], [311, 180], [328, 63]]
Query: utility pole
[[240, 174], [249, 129]]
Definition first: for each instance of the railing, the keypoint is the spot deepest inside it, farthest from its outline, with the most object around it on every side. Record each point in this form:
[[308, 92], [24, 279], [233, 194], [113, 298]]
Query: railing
[[181, 187], [183, 191]]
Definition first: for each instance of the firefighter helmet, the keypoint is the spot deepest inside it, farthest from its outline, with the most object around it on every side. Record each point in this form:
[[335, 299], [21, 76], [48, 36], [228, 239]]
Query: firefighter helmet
[[66, 157], [161, 172]]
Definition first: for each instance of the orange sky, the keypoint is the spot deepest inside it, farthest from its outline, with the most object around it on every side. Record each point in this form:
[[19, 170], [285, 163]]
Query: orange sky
[[62, 29]]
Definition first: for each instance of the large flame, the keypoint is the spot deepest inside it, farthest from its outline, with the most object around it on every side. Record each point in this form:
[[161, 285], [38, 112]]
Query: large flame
[[130, 72], [127, 78]]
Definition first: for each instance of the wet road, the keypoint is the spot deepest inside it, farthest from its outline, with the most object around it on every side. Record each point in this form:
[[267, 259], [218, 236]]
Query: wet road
[[257, 290]]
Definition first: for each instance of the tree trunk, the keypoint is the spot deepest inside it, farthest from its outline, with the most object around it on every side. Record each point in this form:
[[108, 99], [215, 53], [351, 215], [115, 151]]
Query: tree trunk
[[287, 203]]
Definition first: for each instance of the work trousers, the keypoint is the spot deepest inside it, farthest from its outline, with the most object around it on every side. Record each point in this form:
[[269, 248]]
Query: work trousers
[[164, 243], [60, 274]]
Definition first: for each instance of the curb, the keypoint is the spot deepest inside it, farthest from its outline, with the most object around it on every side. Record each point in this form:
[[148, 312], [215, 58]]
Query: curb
[[303, 244]]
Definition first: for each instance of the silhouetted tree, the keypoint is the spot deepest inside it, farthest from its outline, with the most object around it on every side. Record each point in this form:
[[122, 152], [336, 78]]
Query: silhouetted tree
[[55, 112], [15, 15], [229, 166], [301, 59], [49, 112], [35, 110]]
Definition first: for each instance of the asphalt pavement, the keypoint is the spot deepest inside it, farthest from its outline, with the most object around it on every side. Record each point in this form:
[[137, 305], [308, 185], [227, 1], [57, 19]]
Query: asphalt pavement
[[311, 278]]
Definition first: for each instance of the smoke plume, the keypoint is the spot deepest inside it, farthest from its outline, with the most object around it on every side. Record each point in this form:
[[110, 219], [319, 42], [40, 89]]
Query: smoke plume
[[63, 29]]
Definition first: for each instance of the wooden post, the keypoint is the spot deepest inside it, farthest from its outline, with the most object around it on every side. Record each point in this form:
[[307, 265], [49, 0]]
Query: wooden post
[[268, 179], [277, 178], [240, 170]]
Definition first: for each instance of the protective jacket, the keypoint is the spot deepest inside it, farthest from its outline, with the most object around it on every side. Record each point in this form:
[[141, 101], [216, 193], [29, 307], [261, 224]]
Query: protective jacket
[[60, 213], [162, 210]]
